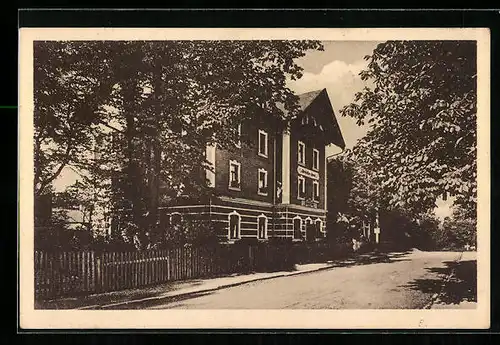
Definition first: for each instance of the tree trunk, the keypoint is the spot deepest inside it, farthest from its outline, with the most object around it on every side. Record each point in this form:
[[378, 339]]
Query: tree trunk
[[156, 153], [132, 192]]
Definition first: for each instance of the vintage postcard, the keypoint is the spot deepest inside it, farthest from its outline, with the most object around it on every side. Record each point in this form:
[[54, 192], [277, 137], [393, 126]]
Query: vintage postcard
[[254, 178]]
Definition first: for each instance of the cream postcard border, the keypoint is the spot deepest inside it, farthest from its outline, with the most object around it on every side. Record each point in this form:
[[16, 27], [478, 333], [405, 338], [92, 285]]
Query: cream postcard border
[[264, 319]]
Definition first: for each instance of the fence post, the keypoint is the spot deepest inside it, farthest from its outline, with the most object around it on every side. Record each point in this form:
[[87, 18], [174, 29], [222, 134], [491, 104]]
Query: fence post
[[105, 271], [53, 275], [167, 254], [96, 262]]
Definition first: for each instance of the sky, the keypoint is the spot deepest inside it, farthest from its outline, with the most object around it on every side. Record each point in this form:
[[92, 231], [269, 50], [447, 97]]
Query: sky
[[337, 69]]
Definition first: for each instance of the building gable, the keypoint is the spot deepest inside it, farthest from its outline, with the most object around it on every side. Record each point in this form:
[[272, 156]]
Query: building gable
[[317, 113]]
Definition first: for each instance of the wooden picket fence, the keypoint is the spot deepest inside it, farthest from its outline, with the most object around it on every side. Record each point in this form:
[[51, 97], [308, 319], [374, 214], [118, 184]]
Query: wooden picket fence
[[80, 273]]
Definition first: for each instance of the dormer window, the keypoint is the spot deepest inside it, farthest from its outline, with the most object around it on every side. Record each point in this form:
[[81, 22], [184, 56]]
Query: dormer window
[[234, 175], [315, 159], [301, 153], [263, 149]]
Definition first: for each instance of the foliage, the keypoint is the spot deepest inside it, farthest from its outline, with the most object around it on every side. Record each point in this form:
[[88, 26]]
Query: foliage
[[62, 238], [340, 180], [456, 234], [452, 233], [424, 232], [135, 116], [191, 231], [354, 198], [421, 109], [61, 135]]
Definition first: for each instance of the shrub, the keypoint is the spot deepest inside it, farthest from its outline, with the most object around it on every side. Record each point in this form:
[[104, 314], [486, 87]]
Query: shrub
[[452, 234], [456, 234], [191, 231]]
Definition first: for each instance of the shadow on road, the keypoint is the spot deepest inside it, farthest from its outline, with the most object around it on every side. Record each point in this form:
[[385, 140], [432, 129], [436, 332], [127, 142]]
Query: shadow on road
[[372, 258], [357, 260], [462, 286]]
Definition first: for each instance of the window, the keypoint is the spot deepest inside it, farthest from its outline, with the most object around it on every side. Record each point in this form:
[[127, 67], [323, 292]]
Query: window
[[309, 229], [297, 228], [301, 188], [301, 151], [319, 227], [262, 143], [262, 182], [234, 225], [238, 143], [234, 175], [315, 190], [262, 227], [175, 219], [315, 159]]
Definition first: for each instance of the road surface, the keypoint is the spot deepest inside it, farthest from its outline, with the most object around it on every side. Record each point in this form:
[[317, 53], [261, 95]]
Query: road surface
[[398, 281]]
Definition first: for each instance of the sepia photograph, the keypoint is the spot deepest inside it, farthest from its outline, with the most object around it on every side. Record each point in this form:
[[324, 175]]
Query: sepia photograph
[[239, 178]]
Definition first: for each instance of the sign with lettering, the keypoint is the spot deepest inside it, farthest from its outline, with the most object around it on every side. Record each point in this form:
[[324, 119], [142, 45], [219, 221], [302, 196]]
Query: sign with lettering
[[308, 173]]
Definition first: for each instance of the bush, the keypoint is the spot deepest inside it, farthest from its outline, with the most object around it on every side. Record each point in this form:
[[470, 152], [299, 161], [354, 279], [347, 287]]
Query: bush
[[64, 239], [340, 233], [452, 234], [190, 231], [455, 234]]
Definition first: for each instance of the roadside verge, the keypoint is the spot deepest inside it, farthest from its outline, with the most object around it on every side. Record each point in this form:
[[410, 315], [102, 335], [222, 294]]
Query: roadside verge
[[172, 290]]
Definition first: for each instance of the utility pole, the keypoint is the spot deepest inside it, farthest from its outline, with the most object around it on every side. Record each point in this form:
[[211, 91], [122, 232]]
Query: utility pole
[[376, 230]]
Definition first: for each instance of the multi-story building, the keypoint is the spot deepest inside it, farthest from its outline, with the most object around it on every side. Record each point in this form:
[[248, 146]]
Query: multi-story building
[[273, 183]]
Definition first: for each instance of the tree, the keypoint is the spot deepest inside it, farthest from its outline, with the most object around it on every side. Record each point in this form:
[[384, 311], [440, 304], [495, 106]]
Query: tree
[[359, 199], [61, 134], [340, 183], [152, 107], [421, 109]]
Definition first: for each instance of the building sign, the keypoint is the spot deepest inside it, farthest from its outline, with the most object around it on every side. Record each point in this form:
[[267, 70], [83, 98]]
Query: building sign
[[308, 173]]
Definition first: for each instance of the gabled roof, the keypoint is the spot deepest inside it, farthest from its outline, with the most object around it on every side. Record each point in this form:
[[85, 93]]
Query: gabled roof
[[306, 98], [329, 120]]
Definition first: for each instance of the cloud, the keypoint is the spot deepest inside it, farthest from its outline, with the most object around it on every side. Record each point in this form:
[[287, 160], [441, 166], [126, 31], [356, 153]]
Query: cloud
[[342, 81]]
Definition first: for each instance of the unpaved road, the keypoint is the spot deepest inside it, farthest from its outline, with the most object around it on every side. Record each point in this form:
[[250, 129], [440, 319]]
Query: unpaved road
[[398, 281]]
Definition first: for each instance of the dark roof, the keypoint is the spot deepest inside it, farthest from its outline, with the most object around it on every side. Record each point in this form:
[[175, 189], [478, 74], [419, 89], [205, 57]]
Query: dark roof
[[306, 98], [333, 129]]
